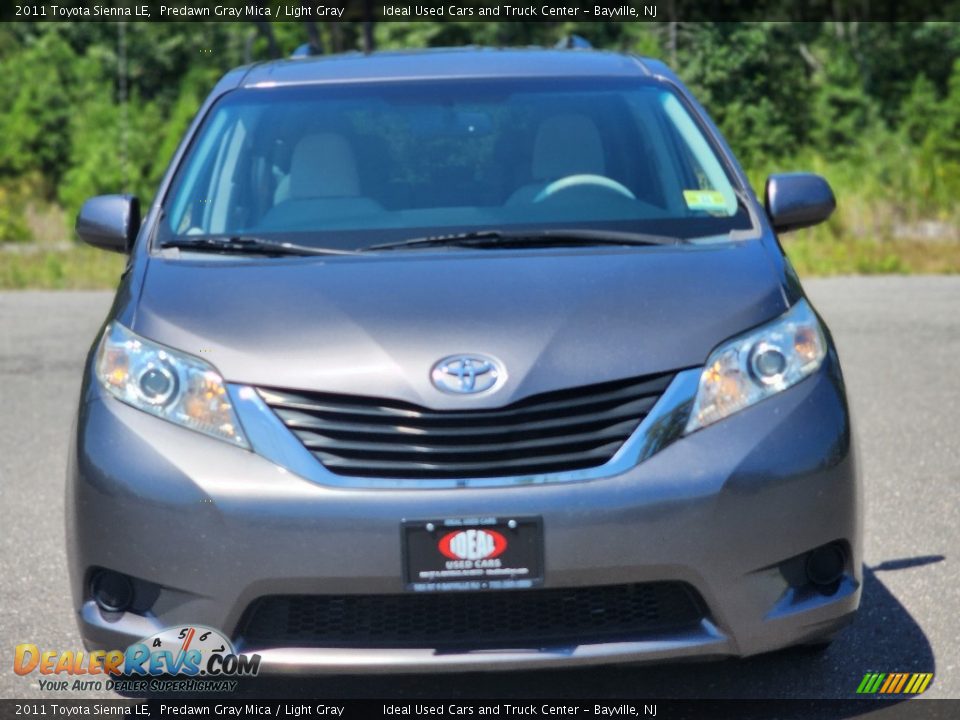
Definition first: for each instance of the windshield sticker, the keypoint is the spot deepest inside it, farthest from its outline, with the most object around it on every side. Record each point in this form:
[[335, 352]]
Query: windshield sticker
[[711, 200]]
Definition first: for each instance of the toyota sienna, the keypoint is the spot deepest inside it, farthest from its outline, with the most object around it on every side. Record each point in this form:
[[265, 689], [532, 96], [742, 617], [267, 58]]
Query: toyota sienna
[[460, 360]]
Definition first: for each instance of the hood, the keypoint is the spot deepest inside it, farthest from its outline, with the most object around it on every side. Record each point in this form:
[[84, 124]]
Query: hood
[[376, 325]]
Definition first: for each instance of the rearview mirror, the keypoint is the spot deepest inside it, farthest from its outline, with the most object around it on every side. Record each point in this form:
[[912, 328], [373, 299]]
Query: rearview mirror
[[798, 200], [110, 222]]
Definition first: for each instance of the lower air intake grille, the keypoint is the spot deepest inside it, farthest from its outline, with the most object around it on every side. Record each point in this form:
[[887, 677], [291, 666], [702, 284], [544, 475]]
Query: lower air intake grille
[[508, 619], [552, 432]]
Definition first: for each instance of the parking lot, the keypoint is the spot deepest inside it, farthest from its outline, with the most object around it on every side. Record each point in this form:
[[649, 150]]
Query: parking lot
[[899, 340]]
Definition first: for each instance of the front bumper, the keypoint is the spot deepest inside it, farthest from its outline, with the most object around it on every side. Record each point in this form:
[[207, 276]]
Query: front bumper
[[215, 527]]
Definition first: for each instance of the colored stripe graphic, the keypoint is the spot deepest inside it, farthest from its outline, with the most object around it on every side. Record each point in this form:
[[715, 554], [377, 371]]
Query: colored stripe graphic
[[927, 677], [901, 683], [892, 679], [869, 680], [894, 683]]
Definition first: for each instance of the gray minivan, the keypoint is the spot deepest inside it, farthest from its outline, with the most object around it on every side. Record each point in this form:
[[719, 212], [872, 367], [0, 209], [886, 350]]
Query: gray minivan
[[458, 360]]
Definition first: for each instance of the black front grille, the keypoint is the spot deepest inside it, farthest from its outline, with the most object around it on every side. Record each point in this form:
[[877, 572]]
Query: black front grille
[[372, 437], [515, 618]]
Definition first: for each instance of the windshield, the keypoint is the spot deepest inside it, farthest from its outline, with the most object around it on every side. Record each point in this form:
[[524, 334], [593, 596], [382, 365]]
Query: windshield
[[349, 166]]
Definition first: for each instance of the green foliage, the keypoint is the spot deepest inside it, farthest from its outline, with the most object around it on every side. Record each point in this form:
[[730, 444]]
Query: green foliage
[[943, 136], [843, 113], [755, 88], [112, 148], [917, 109], [37, 87], [13, 227]]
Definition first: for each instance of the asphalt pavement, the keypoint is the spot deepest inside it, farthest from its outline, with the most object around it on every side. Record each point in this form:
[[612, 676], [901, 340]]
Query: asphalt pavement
[[899, 341]]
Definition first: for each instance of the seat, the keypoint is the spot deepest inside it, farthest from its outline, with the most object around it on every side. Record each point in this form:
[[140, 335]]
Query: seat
[[564, 145], [323, 165], [323, 184]]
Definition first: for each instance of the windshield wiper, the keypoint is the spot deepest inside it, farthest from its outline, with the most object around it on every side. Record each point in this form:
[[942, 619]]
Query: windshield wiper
[[530, 238], [249, 245]]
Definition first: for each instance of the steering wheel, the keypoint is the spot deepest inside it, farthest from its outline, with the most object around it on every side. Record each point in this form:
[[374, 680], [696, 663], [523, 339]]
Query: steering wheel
[[574, 181]]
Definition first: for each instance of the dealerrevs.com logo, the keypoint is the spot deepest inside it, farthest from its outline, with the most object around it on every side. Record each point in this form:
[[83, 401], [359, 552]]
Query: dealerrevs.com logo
[[191, 658]]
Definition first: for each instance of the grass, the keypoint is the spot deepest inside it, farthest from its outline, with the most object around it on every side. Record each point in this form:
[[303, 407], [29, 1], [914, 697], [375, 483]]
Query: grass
[[73, 268], [50, 260], [818, 256]]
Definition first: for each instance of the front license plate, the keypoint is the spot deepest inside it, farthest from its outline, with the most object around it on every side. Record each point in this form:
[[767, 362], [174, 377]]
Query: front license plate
[[490, 553]]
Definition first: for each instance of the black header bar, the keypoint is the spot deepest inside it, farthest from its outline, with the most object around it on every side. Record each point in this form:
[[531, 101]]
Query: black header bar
[[553, 11]]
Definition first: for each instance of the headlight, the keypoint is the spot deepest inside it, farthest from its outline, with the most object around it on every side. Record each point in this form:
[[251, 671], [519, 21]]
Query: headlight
[[749, 368], [166, 383]]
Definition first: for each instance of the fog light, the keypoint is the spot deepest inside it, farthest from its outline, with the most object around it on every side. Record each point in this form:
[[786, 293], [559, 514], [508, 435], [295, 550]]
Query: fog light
[[825, 565], [112, 591]]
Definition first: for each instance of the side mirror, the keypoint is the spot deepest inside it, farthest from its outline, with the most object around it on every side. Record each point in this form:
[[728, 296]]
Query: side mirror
[[798, 200], [110, 222]]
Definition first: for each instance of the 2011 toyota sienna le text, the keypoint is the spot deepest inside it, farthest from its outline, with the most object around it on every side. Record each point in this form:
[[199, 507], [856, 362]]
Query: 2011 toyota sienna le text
[[462, 359]]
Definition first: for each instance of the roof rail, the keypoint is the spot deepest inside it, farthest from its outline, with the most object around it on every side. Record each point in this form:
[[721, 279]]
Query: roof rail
[[573, 42]]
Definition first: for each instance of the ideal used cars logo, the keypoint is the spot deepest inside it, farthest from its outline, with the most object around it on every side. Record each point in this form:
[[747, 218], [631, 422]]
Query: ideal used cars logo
[[202, 657], [472, 544]]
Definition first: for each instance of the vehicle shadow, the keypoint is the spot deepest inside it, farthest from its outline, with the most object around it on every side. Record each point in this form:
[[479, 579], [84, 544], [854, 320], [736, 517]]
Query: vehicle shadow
[[884, 637]]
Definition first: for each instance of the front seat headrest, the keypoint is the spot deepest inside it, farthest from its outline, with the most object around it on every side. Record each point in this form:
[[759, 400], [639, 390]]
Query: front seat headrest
[[323, 165]]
